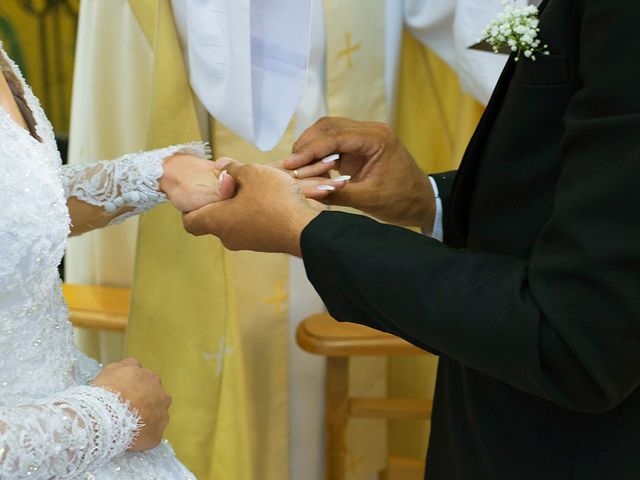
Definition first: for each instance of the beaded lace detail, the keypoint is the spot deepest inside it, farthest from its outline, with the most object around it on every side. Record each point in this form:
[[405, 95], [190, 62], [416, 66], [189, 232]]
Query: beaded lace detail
[[85, 426], [128, 184], [52, 423]]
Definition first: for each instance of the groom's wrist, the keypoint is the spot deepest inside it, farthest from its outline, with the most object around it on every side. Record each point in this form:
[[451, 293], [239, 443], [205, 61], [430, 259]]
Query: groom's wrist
[[299, 222]]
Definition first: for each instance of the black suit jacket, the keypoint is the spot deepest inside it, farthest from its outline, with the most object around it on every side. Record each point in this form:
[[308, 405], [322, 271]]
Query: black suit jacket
[[534, 301]]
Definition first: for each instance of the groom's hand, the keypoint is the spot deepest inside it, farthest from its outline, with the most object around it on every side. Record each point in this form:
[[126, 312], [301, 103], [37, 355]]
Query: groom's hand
[[385, 180], [267, 214]]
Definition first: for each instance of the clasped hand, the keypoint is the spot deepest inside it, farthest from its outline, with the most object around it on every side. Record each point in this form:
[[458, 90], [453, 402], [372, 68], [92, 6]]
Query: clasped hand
[[191, 182], [270, 208]]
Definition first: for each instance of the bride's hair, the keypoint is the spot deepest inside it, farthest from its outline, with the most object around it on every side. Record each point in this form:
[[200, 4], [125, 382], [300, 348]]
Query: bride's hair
[[18, 93]]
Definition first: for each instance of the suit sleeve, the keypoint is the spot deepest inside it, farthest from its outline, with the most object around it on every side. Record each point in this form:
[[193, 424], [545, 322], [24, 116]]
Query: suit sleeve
[[563, 324]]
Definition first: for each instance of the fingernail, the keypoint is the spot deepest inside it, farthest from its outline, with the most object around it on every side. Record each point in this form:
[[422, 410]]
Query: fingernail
[[324, 188], [222, 175], [331, 158], [342, 178]]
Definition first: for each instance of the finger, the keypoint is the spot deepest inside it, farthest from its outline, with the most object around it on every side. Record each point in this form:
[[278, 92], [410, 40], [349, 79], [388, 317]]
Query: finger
[[164, 422], [347, 141], [349, 195], [320, 127], [277, 164], [303, 157], [232, 167], [318, 188], [205, 220], [227, 186], [130, 361], [310, 133], [151, 375], [317, 169], [221, 163]]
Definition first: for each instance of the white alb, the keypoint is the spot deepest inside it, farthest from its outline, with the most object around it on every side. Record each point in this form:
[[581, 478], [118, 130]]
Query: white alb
[[53, 424]]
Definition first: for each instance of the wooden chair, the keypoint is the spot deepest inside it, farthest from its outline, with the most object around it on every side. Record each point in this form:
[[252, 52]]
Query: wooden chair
[[97, 307], [322, 335]]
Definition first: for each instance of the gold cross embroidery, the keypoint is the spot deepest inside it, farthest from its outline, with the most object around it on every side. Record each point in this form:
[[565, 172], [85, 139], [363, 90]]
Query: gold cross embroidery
[[349, 50], [279, 299]]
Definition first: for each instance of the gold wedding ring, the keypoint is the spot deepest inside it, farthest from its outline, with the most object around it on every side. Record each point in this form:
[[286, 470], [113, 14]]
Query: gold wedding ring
[[295, 174]]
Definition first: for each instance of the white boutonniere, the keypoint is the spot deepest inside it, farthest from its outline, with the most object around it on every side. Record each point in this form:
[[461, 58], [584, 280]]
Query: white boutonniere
[[515, 30]]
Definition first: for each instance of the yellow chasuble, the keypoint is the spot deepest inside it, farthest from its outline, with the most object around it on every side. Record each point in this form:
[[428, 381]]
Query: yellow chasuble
[[189, 298]]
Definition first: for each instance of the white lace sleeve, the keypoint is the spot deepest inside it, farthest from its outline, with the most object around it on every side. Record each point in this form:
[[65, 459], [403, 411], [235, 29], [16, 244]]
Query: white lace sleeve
[[128, 184], [60, 438]]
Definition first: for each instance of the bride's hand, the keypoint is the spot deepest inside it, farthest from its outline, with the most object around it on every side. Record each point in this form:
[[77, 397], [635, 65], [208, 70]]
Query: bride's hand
[[191, 182], [314, 180], [144, 392]]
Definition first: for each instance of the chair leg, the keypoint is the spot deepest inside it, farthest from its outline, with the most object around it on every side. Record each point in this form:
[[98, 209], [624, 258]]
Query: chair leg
[[336, 417]]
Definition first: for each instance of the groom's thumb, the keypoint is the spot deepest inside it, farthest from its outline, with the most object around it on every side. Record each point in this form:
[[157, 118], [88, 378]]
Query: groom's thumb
[[227, 186], [206, 220], [229, 165]]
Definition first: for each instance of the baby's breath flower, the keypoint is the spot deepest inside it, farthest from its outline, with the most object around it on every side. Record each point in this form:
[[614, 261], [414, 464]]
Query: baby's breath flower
[[516, 29]]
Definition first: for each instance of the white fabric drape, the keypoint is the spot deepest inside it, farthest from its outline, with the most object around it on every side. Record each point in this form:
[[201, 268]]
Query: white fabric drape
[[449, 28], [247, 61], [251, 61]]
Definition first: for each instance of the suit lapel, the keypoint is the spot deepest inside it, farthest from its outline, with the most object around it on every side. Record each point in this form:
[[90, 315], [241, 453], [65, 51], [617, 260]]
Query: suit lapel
[[465, 179], [464, 182], [543, 5]]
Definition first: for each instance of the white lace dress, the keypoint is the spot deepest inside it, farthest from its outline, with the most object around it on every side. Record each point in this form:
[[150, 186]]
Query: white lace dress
[[52, 423]]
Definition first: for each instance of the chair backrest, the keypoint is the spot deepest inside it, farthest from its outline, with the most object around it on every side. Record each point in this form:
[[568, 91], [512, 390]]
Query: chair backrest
[[323, 335], [97, 307]]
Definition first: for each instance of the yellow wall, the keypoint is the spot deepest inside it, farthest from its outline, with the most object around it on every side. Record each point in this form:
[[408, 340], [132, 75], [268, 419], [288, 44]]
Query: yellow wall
[[22, 30]]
